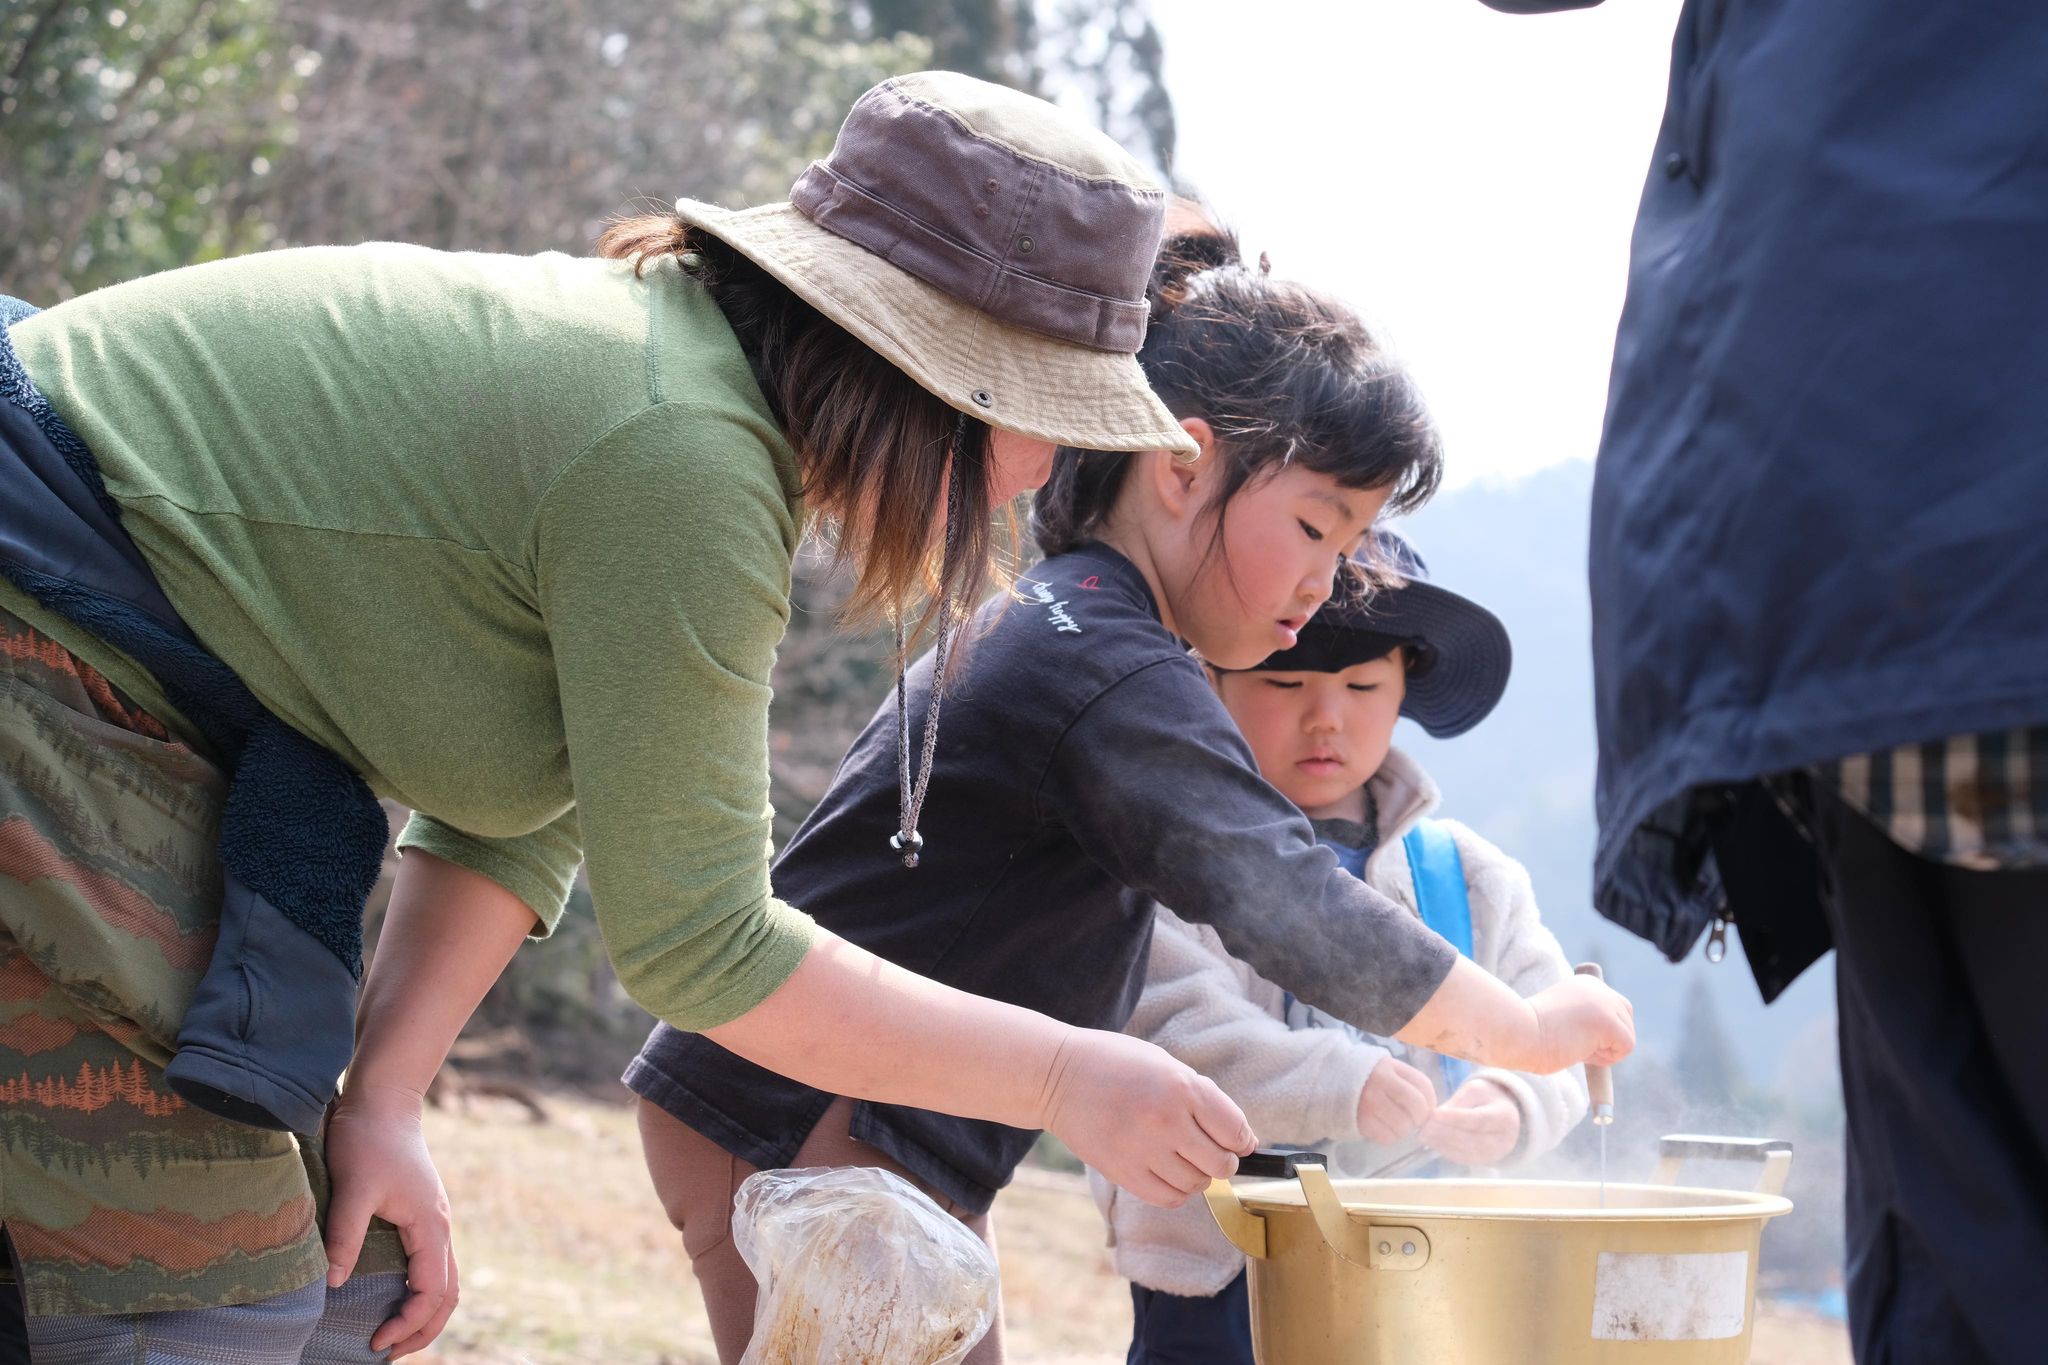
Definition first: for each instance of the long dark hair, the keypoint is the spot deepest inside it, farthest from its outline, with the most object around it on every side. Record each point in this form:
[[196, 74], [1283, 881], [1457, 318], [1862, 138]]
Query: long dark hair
[[870, 442], [1282, 374]]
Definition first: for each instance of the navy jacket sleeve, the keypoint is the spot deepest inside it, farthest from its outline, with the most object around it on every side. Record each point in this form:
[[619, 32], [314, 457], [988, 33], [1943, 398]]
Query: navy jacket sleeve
[[1155, 784]]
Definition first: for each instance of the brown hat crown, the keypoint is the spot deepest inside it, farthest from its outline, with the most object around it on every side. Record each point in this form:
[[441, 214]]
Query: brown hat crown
[[998, 200]]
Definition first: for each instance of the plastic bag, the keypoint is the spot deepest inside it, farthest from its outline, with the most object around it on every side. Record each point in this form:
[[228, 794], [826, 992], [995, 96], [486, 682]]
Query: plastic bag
[[856, 1266]]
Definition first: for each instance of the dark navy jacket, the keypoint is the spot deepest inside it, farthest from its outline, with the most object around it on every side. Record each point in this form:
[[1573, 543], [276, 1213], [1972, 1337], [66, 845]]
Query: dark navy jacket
[[1820, 517], [1082, 758]]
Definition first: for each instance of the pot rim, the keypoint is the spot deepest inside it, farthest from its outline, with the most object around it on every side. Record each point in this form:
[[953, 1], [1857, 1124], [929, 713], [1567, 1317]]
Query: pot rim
[[1283, 1196]]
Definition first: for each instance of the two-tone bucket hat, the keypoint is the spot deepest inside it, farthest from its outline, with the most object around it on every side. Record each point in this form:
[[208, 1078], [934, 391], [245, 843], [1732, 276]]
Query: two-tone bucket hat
[[989, 245], [1459, 651]]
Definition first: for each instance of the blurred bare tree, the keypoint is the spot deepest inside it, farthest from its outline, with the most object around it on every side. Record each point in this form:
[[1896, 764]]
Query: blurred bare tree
[[137, 139], [519, 127], [1106, 60], [993, 39], [133, 139]]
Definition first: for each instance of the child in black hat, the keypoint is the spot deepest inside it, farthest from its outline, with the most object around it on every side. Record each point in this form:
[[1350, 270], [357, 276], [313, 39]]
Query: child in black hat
[[1319, 717]]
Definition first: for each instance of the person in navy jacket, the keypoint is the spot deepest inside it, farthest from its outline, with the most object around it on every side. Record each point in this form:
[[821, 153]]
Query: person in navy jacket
[[1820, 534]]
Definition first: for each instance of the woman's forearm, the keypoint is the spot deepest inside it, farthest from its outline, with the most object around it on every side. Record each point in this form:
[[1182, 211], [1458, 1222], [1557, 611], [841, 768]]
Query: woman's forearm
[[447, 936], [850, 1023]]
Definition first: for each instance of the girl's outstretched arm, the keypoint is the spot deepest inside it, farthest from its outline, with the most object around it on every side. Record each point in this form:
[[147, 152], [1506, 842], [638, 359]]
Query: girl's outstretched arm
[[1157, 785], [1478, 1016]]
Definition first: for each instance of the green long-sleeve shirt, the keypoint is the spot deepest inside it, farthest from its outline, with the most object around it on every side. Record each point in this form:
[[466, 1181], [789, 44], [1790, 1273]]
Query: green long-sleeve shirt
[[512, 536]]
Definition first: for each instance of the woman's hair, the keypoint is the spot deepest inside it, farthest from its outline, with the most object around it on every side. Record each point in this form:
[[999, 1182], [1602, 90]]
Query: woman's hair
[[871, 443], [1282, 374]]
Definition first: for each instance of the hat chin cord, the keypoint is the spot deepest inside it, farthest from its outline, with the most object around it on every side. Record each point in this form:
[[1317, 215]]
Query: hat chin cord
[[910, 790]]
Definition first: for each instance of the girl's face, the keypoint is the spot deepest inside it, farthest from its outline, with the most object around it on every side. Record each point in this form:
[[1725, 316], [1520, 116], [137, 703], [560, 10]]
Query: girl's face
[[1242, 591], [1017, 464], [1318, 737]]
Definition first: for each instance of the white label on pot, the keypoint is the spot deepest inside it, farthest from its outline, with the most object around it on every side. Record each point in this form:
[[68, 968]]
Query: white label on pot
[[1698, 1297]]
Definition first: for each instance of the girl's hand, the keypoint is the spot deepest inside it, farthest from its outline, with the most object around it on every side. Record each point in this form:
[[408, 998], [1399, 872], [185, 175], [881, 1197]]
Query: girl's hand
[[1478, 1017], [1149, 1123], [1394, 1102], [377, 1158], [1479, 1125], [1580, 1019]]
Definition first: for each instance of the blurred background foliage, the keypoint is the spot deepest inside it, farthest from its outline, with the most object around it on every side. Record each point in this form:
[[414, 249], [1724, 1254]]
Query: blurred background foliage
[[136, 137]]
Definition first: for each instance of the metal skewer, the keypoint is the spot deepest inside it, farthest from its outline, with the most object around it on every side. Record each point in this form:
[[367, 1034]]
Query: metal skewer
[[1599, 1091], [1404, 1163]]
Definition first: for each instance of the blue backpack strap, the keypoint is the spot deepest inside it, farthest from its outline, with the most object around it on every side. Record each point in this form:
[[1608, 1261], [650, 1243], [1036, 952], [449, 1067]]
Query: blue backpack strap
[[1440, 895]]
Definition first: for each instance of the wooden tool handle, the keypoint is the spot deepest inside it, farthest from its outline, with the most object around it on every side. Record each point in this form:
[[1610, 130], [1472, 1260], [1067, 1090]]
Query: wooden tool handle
[[1599, 1079]]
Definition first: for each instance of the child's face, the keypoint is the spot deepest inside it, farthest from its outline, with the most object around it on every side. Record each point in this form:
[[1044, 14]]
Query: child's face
[[1318, 737], [1281, 541]]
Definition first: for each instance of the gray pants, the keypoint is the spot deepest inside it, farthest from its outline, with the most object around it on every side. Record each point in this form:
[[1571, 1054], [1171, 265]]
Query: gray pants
[[314, 1325]]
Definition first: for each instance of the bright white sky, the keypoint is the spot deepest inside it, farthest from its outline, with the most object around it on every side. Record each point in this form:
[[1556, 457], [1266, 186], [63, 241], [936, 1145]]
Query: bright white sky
[[1467, 179]]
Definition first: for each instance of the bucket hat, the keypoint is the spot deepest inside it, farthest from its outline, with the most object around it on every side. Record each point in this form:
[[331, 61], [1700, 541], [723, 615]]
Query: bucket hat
[[1461, 655], [991, 246]]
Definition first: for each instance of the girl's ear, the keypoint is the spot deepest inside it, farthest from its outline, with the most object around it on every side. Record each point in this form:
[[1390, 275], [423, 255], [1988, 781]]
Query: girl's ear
[[1181, 479]]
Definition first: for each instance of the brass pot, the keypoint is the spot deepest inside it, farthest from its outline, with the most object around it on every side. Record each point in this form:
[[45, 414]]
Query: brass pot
[[1502, 1272]]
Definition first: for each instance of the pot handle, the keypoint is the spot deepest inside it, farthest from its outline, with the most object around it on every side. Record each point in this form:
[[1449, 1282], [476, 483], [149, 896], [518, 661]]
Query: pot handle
[[1245, 1229], [1773, 1156], [1367, 1246], [1266, 1164]]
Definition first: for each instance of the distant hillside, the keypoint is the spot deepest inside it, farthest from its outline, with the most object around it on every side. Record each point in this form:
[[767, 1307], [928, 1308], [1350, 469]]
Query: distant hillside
[[1524, 778]]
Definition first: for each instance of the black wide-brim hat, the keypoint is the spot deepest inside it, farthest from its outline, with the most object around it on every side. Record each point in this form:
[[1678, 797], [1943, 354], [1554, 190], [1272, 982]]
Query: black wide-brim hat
[[1461, 655]]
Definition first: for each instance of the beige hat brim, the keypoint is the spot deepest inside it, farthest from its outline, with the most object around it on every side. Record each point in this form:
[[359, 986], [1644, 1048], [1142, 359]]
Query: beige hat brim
[[1033, 385]]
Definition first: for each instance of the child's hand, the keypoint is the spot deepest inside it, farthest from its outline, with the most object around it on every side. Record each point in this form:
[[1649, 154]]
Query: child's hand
[[1477, 1126], [1580, 1019], [1394, 1102]]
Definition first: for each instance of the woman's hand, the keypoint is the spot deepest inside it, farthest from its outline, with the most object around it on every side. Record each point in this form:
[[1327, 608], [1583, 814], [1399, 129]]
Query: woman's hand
[[1151, 1124], [377, 1159], [1394, 1102], [849, 1023], [1478, 1125], [447, 935]]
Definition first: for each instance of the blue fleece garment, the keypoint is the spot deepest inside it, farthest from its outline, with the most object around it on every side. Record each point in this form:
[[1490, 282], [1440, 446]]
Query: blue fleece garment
[[302, 836]]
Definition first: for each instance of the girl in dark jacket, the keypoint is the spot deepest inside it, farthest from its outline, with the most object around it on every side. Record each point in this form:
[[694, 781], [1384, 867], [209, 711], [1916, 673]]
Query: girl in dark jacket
[[1087, 758]]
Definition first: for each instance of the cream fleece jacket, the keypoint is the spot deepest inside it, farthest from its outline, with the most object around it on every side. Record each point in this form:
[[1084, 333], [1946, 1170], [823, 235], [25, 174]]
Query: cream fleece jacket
[[1298, 1073]]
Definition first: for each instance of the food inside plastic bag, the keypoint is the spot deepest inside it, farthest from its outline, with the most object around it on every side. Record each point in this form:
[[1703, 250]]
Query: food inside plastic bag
[[857, 1266]]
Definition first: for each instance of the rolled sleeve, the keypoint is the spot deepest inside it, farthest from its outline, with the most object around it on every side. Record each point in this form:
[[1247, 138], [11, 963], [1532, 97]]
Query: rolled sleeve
[[539, 868], [662, 558]]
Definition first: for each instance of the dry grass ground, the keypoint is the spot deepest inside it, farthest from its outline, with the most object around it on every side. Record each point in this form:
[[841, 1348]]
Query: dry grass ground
[[566, 1259]]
